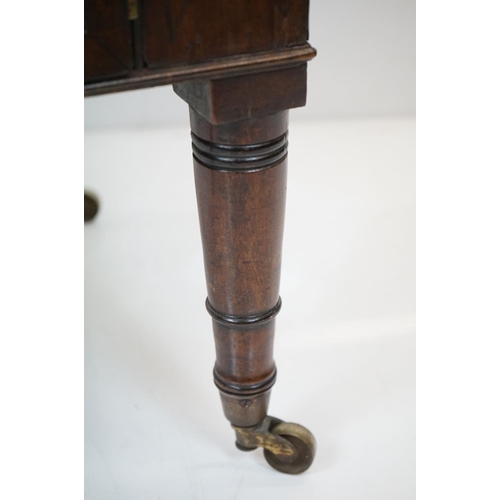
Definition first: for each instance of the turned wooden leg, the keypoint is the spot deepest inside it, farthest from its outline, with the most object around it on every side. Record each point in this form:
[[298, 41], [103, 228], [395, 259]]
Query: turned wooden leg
[[240, 174], [240, 171]]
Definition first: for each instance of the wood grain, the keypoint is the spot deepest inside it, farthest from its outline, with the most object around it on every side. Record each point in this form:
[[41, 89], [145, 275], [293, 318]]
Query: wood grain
[[192, 31], [241, 216], [108, 40], [236, 98]]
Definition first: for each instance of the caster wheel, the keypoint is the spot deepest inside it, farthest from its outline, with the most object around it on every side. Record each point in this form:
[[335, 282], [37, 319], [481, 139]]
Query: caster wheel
[[303, 442], [91, 206]]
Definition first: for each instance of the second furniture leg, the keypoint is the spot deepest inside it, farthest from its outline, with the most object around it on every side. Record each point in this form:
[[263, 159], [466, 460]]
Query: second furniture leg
[[240, 174]]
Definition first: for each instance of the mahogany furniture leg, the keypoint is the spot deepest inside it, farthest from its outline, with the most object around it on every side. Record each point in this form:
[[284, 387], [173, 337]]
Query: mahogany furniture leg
[[240, 174]]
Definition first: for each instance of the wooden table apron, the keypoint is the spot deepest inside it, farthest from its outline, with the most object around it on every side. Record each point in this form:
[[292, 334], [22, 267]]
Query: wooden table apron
[[240, 66]]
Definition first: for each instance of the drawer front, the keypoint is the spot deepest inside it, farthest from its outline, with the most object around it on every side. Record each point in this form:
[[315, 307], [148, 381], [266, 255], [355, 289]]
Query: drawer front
[[192, 31], [108, 39]]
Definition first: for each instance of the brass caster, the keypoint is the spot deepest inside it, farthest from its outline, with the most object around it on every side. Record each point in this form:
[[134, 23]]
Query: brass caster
[[303, 442], [288, 447], [91, 206]]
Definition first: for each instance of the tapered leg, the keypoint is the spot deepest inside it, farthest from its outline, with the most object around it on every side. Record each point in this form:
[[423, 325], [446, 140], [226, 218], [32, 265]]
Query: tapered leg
[[240, 171], [240, 174]]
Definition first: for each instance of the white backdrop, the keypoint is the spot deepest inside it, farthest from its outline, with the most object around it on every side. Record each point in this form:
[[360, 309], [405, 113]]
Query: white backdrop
[[365, 68], [345, 338]]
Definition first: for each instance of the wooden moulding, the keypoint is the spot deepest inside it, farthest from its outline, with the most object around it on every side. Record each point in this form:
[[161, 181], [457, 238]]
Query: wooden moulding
[[219, 68]]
